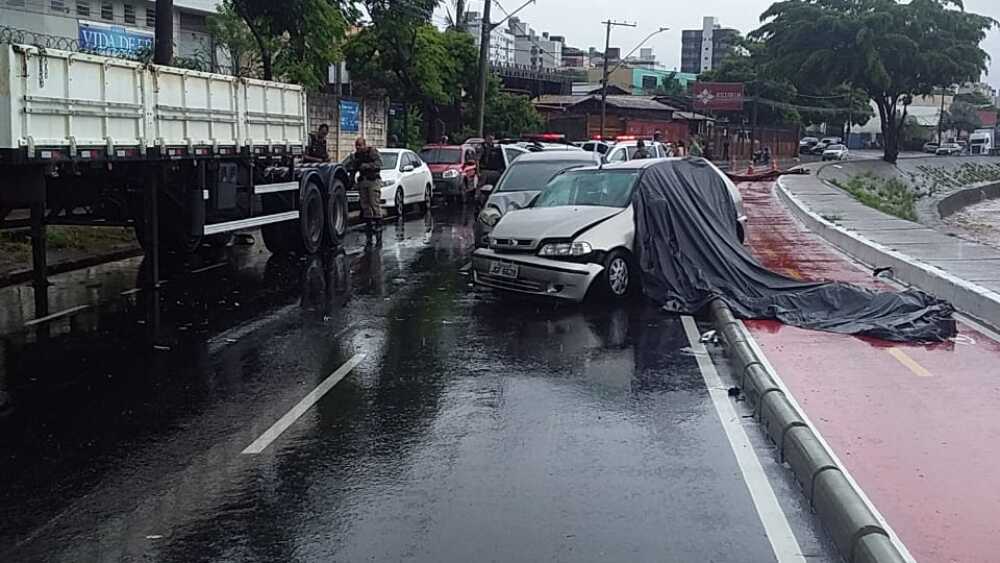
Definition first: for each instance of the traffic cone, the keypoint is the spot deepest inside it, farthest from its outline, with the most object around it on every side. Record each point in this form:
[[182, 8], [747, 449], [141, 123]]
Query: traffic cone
[[774, 165]]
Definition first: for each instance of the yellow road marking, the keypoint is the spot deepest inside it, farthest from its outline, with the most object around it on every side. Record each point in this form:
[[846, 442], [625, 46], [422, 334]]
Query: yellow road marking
[[903, 358]]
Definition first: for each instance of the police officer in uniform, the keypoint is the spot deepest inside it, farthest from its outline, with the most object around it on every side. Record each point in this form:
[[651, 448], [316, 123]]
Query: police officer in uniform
[[641, 151], [317, 150], [367, 163]]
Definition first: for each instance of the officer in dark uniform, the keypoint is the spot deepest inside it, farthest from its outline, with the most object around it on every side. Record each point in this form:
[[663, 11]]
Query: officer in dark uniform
[[366, 162], [317, 150], [641, 151]]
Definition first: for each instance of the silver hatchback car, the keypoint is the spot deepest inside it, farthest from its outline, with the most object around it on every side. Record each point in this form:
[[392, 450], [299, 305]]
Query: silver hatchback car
[[579, 231]]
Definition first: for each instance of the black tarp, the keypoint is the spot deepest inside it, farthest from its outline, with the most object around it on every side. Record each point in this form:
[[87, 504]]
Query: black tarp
[[689, 255]]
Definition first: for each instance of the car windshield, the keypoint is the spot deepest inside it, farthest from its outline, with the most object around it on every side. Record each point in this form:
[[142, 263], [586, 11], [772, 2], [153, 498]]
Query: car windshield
[[389, 160], [441, 156], [604, 188], [526, 176]]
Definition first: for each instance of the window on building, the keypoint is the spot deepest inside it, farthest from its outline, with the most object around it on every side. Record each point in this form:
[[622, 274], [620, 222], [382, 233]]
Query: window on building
[[107, 11], [192, 22], [57, 5], [15, 3], [150, 16], [83, 8], [129, 13], [649, 83]]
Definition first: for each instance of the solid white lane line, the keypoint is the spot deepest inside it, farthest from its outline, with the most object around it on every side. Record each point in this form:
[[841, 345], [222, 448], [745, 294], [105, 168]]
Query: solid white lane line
[[283, 423], [779, 532]]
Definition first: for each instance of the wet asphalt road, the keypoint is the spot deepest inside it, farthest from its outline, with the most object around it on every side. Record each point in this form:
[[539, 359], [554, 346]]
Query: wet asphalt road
[[474, 428]]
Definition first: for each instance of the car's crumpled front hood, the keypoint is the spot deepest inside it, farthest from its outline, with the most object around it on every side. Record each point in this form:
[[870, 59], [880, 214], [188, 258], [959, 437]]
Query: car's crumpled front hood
[[509, 201], [542, 223]]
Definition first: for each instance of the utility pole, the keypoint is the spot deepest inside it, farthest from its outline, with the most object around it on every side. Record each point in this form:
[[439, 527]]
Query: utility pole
[[484, 63], [941, 118], [605, 73], [484, 57], [163, 46]]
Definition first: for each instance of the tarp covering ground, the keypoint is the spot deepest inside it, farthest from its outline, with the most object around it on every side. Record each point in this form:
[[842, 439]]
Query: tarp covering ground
[[689, 254]]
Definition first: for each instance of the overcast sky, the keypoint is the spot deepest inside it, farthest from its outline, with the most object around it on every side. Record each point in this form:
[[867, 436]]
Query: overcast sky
[[579, 21]]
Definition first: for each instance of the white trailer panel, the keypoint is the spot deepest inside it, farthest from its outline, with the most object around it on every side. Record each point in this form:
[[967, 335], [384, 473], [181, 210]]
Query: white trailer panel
[[64, 99], [60, 98], [195, 108]]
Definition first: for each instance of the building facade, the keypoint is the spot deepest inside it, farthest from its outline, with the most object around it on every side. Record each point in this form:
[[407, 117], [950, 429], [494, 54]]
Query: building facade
[[703, 49], [124, 27], [501, 39], [533, 51]]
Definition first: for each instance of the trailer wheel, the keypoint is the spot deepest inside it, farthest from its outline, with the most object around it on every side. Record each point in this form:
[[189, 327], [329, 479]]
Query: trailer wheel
[[335, 213], [311, 215], [175, 234]]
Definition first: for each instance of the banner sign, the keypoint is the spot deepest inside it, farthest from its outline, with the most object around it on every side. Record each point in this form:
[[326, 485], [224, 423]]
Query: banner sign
[[718, 96], [107, 38], [350, 113]]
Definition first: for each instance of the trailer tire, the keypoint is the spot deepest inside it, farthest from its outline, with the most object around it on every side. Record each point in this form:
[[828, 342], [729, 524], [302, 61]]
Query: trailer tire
[[335, 213], [311, 219], [275, 238]]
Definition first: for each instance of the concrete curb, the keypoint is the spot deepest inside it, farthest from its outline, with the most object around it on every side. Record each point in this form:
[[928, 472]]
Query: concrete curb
[[971, 299], [956, 201], [859, 532]]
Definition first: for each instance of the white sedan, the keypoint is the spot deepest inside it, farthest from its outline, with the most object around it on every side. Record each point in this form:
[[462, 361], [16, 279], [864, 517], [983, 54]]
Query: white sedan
[[835, 152], [406, 180]]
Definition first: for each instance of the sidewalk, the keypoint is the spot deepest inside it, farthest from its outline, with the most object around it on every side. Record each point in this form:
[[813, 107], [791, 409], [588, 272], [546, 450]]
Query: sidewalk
[[965, 273]]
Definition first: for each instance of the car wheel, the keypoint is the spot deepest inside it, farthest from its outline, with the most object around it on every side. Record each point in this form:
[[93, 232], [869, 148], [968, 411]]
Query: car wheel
[[617, 277], [400, 206]]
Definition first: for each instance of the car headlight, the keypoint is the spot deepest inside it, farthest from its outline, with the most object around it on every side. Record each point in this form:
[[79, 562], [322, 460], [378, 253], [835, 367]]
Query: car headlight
[[490, 216], [387, 183], [450, 174], [566, 249]]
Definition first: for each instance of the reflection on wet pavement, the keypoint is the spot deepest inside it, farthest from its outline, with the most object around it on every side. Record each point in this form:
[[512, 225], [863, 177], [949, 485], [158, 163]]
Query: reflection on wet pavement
[[478, 427]]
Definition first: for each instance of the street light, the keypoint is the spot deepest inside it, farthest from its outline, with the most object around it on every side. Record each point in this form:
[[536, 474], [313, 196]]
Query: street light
[[607, 73]]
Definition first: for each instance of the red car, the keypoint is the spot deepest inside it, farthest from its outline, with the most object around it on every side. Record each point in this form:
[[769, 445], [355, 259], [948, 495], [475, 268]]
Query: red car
[[455, 169]]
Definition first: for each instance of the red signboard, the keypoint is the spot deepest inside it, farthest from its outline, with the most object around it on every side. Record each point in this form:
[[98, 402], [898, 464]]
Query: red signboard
[[718, 96]]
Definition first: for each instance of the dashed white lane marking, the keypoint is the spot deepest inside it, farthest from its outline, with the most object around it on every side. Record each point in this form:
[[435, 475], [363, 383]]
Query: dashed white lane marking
[[779, 532], [58, 315], [283, 423]]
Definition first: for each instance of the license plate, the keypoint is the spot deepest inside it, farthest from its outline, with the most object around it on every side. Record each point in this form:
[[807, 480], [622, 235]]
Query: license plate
[[503, 269]]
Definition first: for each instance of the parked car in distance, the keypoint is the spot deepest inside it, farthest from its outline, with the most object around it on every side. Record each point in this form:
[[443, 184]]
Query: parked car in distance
[[807, 143], [624, 151], [522, 182], [455, 169], [579, 231], [949, 149], [406, 180], [824, 143], [835, 152], [931, 147]]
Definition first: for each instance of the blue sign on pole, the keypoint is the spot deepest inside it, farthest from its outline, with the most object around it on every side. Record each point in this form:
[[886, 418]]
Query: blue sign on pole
[[113, 39], [350, 113]]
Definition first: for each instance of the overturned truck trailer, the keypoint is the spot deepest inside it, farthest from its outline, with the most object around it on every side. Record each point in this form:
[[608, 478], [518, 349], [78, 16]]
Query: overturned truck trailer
[[184, 157]]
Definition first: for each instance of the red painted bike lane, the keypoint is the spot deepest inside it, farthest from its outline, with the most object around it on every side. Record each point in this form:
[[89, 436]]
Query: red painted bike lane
[[917, 426]]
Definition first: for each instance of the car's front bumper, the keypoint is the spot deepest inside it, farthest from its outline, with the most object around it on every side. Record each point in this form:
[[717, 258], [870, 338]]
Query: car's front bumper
[[536, 276], [449, 186]]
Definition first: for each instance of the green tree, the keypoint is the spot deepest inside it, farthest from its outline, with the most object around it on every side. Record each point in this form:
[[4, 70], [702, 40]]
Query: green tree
[[890, 50], [296, 40], [961, 116], [669, 87], [508, 115], [407, 58], [233, 38]]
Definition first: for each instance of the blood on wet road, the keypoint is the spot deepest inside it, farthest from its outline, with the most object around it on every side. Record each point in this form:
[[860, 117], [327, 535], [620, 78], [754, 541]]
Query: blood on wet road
[[915, 425]]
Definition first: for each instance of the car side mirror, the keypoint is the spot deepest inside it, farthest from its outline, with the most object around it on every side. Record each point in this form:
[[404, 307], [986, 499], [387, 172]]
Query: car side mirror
[[408, 168]]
